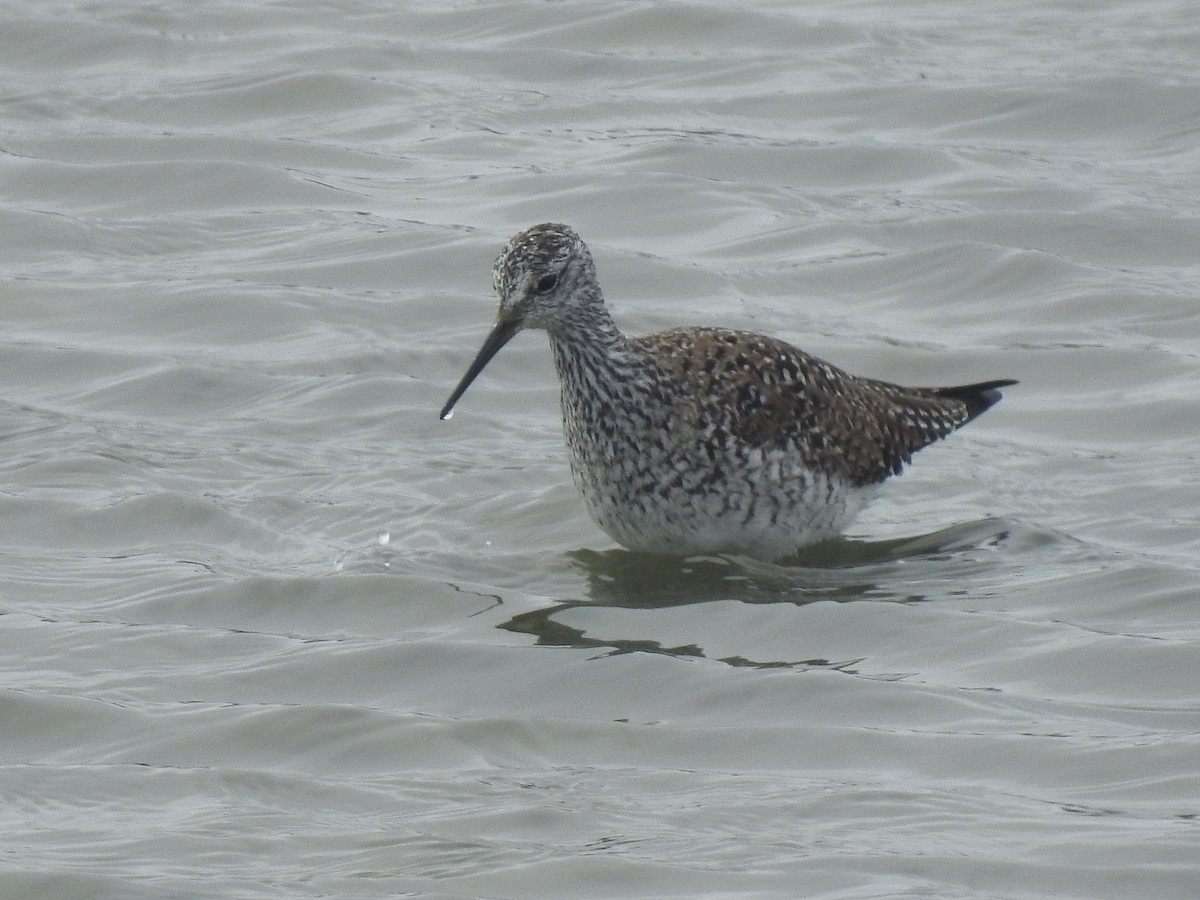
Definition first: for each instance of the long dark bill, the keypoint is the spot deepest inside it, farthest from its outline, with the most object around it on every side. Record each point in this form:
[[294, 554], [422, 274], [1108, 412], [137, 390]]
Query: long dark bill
[[500, 335]]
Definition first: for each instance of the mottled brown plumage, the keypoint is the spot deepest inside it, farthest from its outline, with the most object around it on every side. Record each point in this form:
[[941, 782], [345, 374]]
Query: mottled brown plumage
[[769, 392], [701, 440]]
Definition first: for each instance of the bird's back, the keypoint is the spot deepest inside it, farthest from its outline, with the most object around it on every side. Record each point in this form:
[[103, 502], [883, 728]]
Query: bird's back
[[767, 394]]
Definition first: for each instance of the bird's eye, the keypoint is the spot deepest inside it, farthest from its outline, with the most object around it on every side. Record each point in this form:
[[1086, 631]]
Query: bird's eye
[[546, 283]]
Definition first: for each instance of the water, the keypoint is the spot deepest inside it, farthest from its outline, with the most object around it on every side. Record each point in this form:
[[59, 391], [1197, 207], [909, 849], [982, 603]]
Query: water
[[270, 629]]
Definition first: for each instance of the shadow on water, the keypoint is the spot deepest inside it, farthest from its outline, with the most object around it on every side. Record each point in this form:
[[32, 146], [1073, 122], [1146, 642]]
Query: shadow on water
[[893, 571]]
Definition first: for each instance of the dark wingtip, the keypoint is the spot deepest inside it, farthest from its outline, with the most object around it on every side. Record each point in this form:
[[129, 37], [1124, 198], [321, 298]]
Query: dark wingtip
[[980, 397]]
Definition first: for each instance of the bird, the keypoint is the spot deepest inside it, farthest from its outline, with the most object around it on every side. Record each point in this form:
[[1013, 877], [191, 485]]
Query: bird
[[704, 440]]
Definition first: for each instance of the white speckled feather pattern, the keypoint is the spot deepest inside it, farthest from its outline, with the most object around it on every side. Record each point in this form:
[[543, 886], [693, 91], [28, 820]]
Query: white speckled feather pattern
[[704, 440]]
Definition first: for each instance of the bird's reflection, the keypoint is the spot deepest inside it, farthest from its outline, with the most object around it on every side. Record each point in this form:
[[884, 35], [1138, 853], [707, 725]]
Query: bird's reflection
[[840, 571]]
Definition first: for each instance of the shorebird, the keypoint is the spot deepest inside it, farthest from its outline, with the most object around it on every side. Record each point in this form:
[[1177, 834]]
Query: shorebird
[[705, 440]]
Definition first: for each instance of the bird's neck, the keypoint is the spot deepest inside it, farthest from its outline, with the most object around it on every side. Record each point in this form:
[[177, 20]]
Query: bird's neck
[[591, 354]]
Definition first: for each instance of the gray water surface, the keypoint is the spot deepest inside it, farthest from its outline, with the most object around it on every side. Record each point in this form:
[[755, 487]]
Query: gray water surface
[[270, 629]]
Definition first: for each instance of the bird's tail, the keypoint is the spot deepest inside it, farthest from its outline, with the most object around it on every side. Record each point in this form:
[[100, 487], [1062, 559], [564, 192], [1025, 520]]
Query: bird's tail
[[978, 397]]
